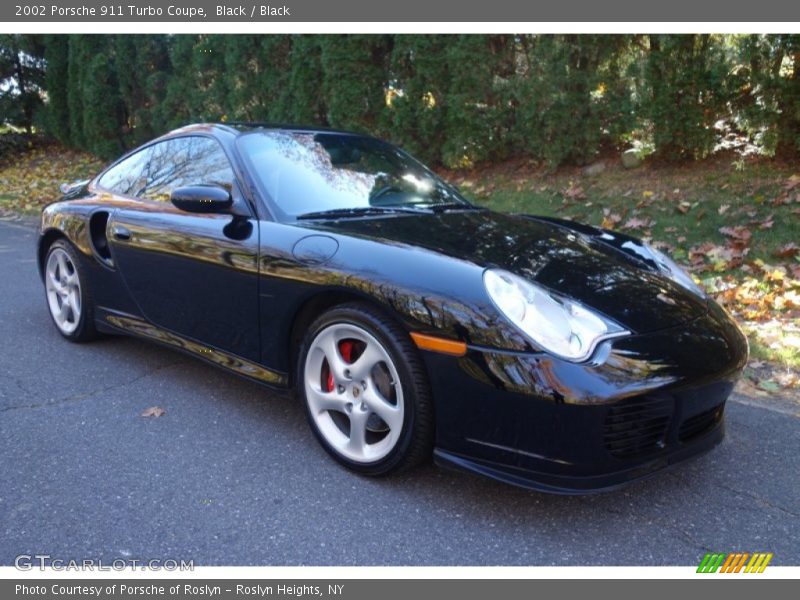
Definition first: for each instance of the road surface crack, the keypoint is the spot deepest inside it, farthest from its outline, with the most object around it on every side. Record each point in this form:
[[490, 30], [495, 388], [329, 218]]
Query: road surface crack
[[90, 394], [758, 498], [688, 487]]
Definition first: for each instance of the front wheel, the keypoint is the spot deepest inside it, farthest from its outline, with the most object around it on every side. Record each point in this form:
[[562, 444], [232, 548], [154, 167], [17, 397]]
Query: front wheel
[[365, 391]]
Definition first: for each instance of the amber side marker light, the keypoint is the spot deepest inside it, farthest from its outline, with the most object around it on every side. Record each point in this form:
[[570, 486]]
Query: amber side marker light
[[437, 344]]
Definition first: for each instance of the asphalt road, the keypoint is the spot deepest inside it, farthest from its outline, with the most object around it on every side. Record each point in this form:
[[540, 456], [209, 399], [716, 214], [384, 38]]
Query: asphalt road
[[232, 476]]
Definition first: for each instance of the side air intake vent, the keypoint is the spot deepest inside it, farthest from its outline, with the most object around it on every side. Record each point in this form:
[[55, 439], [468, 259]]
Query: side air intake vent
[[97, 232]]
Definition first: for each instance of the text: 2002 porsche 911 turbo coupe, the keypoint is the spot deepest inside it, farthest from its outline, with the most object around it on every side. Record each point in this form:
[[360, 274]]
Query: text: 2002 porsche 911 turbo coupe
[[535, 351]]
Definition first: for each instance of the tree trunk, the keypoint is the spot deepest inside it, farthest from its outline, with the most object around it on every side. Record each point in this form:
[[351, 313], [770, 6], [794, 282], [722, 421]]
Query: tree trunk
[[22, 84]]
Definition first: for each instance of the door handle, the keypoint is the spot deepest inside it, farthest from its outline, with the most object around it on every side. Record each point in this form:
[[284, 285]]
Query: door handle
[[121, 233]]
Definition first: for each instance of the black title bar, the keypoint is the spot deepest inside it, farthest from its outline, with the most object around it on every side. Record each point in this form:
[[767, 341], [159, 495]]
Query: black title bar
[[513, 11]]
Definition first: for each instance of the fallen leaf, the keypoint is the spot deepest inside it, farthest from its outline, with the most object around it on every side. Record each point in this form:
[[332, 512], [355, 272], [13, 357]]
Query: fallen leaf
[[737, 233], [610, 221], [787, 250], [573, 192], [153, 411], [765, 223], [786, 196], [638, 223], [776, 275], [723, 208]]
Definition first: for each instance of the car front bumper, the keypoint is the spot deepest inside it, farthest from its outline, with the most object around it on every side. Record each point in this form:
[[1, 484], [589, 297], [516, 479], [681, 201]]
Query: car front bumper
[[644, 402]]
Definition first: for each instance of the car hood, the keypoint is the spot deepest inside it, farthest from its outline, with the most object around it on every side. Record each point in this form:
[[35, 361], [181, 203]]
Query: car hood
[[577, 265]]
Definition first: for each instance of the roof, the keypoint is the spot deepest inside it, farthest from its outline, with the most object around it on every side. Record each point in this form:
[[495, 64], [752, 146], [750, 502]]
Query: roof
[[239, 127]]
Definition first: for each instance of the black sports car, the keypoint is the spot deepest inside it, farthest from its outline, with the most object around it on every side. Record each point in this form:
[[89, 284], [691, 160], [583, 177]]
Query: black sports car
[[536, 351]]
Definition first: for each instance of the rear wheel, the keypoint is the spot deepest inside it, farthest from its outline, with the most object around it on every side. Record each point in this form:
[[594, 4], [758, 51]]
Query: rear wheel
[[67, 291], [365, 392]]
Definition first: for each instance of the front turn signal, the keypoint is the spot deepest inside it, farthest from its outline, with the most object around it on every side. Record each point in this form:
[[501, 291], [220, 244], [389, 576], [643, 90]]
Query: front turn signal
[[437, 344]]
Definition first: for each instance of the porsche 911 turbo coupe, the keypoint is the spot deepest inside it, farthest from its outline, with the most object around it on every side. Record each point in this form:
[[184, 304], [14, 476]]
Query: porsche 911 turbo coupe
[[536, 351]]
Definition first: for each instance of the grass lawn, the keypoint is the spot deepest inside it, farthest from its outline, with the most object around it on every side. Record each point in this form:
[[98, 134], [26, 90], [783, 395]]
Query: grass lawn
[[676, 207], [734, 223]]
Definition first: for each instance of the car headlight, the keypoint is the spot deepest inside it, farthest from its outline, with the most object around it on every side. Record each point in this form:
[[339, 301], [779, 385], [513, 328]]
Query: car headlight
[[674, 271], [557, 325]]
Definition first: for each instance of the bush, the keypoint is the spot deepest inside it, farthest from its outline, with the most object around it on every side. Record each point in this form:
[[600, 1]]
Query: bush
[[454, 100]]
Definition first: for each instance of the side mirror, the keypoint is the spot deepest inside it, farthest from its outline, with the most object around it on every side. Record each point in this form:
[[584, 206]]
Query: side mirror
[[202, 199]]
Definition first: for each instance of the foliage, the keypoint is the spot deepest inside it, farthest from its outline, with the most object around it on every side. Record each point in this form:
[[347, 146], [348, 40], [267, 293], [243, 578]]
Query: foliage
[[455, 100], [56, 82], [305, 102], [570, 98], [768, 76], [416, 94], [102, 108], [21, 79], [685, 83], [353, 79], [140, 62]]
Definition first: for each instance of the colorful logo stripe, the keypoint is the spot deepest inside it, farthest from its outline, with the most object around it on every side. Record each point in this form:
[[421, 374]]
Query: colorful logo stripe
[[734, 562]]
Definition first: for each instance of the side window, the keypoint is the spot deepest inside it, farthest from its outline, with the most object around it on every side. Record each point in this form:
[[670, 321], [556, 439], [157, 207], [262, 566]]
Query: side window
[[128, 177], [191, 160]]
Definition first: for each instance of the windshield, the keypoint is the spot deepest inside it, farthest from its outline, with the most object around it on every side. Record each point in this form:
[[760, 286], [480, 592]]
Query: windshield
[[307, 173]]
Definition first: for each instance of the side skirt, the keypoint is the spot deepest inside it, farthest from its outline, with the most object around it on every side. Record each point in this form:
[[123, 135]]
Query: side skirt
[[115, 322]]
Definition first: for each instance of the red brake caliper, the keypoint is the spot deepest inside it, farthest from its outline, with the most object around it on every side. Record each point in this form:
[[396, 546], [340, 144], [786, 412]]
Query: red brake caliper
[[346, 350], [329, 383]]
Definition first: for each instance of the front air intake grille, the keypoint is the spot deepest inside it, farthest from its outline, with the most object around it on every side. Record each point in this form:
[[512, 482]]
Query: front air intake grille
[[636, 427], [700, 423]]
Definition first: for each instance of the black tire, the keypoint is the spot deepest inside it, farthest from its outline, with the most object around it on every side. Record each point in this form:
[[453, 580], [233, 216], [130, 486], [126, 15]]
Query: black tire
[[415, 443], [86, 329]]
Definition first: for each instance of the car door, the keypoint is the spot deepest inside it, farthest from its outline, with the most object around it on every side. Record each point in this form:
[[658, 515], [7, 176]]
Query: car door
[[192, 274]]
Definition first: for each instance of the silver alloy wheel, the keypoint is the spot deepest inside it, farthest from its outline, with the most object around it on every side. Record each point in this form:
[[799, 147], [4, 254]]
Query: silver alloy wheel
[[356, 404], [63, 290]]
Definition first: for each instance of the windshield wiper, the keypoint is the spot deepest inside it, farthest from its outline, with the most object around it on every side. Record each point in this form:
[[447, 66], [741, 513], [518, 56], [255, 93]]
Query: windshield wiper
[[362, 211], [359, 211], [446, 206]]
